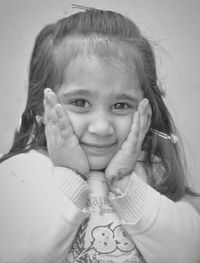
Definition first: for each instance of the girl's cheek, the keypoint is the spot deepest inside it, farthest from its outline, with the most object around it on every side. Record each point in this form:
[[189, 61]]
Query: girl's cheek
[[122, 125], [78, 124]]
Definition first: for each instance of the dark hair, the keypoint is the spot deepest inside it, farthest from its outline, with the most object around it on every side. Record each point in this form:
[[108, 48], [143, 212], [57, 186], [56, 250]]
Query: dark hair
[[114, 31]]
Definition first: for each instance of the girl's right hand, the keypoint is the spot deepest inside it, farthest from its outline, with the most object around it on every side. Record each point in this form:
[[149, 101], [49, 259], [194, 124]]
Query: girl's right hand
[[62, 144]]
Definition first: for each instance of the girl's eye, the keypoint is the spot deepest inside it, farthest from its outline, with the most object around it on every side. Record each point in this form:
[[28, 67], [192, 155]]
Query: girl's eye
[[121, 106], [81, 103]]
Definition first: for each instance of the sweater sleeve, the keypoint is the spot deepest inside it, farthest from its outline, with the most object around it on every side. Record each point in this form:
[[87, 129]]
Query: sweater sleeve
[[41, 208], [163, 230]]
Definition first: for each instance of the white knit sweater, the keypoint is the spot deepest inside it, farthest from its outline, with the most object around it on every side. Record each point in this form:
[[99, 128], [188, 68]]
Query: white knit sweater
[[42, 206]]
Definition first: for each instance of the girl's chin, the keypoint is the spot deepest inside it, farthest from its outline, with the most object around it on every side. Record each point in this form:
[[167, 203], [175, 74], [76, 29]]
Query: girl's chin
[[97, 163]]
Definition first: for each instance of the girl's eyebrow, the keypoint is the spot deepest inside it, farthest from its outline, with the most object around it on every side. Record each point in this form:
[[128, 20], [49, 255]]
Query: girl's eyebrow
[[80, 92], [124, 96], [88, 93]]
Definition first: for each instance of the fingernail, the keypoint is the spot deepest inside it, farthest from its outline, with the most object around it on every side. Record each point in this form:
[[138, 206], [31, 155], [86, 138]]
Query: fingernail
[[145, 102], [47, 90], [58, 106]]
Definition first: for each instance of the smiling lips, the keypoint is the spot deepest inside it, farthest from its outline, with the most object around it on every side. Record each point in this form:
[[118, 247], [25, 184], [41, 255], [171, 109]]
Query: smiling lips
[[98, 149]]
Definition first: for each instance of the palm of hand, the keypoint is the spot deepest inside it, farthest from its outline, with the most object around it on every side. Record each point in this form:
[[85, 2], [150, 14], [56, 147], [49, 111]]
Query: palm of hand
[[63, 146], [125, 159], [123, 162], [70, 154]]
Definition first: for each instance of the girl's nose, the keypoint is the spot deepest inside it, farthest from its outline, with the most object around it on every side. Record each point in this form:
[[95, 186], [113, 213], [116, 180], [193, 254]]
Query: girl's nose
[[101, 125]]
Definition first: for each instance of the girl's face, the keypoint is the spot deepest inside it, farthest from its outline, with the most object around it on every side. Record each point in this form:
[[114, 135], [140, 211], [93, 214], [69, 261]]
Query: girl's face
[[100, 101]]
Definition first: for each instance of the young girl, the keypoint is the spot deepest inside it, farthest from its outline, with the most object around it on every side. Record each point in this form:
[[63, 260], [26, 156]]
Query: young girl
[[95, 173]]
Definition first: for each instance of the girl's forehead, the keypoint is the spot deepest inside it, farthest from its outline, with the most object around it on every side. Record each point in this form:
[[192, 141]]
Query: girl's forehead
[[110, 52], [105, 68], [94, 75]]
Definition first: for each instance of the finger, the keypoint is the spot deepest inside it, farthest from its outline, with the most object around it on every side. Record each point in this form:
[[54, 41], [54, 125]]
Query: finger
[[50, 100], [50, 97], [63, 122], [131, 141], [50, 115], [50, 132], [47, 97], [46, 106], [143, 119], [46, 113], [143, 110], [52, 129], [143, 107]]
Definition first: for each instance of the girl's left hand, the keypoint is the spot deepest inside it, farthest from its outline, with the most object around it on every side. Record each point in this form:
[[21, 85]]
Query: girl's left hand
[[124, 161]]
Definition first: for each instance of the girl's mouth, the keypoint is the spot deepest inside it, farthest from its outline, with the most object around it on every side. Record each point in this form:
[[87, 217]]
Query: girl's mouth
[[99, 149]]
